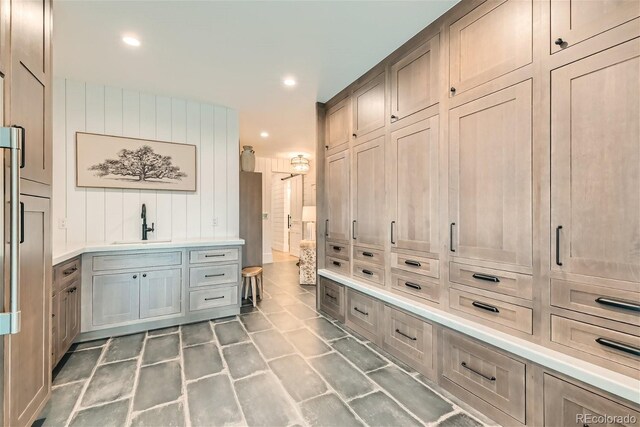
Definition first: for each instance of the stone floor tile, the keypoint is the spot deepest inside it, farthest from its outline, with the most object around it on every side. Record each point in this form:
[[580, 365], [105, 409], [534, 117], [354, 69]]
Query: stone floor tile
[[297, 377], [161, 348], [346, 380], [284, 321], [110, 415], [255, 322], [201, 360], [328, 411], [60, 406], [379, 410], [125, 347], [307, 343], [76, 366], [157, 384], [166, 416], [243, 359], [88, 344], [270, 306], [308, 299], [359, 354], [301, 311], [110, 382], [230, 333], [212, 402], [196, 333], [164, 331], [459, 420], [224, 319], [264, 402], [324, 328], [272, 344]]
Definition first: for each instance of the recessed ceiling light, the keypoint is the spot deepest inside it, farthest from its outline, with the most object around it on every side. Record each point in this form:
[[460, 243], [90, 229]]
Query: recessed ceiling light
[[131, 41], [289, 81], [264, 134]]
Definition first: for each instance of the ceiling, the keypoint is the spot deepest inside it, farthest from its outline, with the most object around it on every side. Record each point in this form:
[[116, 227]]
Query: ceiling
[[236, 53]]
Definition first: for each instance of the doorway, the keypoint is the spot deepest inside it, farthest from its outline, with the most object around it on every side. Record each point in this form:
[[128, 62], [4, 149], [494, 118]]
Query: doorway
[[286, 206]]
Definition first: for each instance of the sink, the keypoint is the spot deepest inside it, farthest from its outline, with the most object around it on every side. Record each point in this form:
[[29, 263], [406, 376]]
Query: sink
[[138, 242]]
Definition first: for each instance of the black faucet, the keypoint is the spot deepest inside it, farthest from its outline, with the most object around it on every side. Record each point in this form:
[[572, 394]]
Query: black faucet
[[145, 229]]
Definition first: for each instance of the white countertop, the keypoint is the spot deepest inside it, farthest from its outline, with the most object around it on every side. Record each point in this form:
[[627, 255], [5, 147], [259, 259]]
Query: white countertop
[[137, 245], [605, 379]]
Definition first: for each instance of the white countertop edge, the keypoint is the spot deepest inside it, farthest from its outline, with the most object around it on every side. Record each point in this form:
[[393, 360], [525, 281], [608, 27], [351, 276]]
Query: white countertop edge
[[136, 246], [597, 376]]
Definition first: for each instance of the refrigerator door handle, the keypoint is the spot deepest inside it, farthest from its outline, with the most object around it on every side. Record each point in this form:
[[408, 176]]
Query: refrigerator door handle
[[10, 139]]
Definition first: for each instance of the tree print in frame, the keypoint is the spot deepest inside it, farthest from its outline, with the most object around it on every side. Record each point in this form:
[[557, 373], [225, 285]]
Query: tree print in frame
[[107, 161]]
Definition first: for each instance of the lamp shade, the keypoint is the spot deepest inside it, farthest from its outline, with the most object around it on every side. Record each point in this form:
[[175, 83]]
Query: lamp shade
[[308, 214]]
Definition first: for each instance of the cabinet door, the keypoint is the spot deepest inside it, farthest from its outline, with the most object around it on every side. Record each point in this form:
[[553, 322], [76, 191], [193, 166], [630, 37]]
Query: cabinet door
[[55, 316], [30, 84], [413, 186], [574, 21], [69, 324], [337, 194], [369, 194], [338, 127], [492, 40], [115, 298], [490, 177], [595, 165], [160, 293], [414, 80], [27, 365], [368, 107]]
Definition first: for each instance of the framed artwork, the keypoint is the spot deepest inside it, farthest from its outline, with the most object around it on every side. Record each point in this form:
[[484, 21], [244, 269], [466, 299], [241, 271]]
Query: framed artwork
[[107, 161]]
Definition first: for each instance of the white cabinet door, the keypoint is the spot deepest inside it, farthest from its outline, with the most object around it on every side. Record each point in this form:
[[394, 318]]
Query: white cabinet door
[[160, 293], [115, 298]]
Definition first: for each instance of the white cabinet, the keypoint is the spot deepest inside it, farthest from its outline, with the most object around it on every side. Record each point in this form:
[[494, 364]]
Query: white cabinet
[[160, 293], [115, 298]]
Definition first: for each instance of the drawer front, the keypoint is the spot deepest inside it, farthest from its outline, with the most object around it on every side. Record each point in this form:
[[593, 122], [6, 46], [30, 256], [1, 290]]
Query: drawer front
[[566, 404], [213, 298], [373, 256], [213, 255], [502, 282], [414, 264], [415, 285], [492, 310], [66, 273], [213, 275], [332, 298], [495, 378], [337, 250], [615, 304], [369, 272], [337, 264], [363, 314], [141, 260], [410, 339], [615, 346]]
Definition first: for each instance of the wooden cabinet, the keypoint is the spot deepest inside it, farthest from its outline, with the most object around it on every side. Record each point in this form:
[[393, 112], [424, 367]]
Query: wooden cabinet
[[368, 108], [490, 178], [413, 186], [68, 317], [338, 127], [363, 314], [337, 227], [161, 292], [573, 22], [115, 298], [492, 40], [414, 80], [595, 165], [369, 193], [331, 298]]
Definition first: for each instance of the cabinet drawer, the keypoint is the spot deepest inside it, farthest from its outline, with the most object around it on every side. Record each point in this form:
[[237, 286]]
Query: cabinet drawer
[[212, 298], [613, 346], [415, 285], [337, 250], [213, 255], [410, 339], [139, 260], [415, 264], [492, 310], [374, 256], [502, 282], [493, 377], [213, 275], [363, 314], [332, 299], [65, 273], [336, 264], [566, 404], [369, 272], [610, 303]]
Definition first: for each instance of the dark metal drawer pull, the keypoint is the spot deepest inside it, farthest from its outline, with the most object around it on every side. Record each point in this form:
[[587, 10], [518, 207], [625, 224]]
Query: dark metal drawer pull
[[486, 277], [367, 272], [413, 285], [72, 290], [405, 335], [336, 248], [360, 311], [331, 296], [69, 271], [464, 365], [369, 254], [337, 264], [412, 263], [326, 228], [212, 298], [451, 236], [485, 306], [353, 229], [393, 240], [214, 275], [626, 305], [558, 262], [619, 346], [213, 255]]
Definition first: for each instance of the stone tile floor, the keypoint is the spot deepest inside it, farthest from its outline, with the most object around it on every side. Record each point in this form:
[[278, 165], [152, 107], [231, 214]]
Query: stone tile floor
[[282, 364]]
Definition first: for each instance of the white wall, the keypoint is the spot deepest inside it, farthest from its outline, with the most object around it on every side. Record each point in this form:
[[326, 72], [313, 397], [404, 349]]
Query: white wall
[[96, 215]]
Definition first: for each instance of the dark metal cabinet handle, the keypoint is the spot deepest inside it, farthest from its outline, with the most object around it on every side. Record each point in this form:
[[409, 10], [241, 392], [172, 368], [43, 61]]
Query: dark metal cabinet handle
[[326, 228], [214, 275], [412, 263], [144, 275], [627, 348], [212, 298], [451, 236], [413, 285], [353, 229], [337, 264], [69, 271], [485, 306], [72, 290], [452, 90], [336, 248], [21, 222], [485, 277], [558, 228], [394, 117], [214, 255], [559, 41], [393, 240], [464, 365], [367, 254], [625, 305], [288, 221], [367, 272], [355, 135], [360, 311], [331, 296], [398, 331], [135, 276]]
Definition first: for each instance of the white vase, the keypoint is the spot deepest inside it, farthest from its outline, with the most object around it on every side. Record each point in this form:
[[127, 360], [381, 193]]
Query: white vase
[[248, 159]]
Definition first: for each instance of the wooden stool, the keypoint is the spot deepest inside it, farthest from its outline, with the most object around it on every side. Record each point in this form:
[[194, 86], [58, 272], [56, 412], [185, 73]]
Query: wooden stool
[[252, 276]]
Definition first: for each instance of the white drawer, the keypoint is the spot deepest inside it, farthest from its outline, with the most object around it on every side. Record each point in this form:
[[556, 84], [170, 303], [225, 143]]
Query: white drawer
[[213, 275], [212, 298], [213, 255], [126, 261]]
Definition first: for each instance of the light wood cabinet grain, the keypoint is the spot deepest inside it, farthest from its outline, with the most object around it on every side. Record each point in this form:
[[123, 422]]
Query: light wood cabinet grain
[[415, 285], [363, 314], [337, 183], [331, 297], [368, 105], [338, 127]]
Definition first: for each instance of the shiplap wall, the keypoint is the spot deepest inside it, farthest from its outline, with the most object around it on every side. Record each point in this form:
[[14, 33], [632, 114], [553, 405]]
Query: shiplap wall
[[96, 215]]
